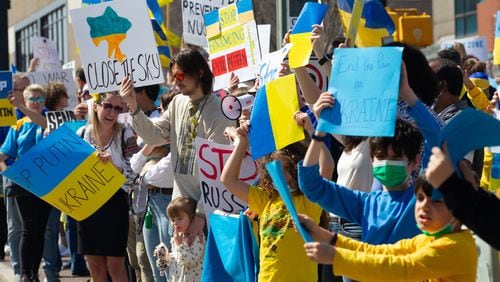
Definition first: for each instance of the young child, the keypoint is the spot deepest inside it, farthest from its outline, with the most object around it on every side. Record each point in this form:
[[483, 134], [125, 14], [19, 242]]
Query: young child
[[431, 256], [184, 262], [281, 255]]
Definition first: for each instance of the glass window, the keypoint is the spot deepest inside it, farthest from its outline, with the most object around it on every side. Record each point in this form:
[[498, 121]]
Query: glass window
[[465, 17], [52, 25], [460, 27]]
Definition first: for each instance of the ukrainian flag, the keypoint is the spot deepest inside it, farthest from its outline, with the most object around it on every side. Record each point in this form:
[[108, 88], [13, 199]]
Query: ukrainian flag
[[374, 24], [272, 121], [312, 13], [165, 39], [496, 49]]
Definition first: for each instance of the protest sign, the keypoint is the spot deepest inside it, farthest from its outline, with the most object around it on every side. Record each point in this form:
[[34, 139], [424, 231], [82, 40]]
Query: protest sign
[[57, 118], [476, 46], [116, 40], [264, 31], [270, 65], [233, 43], [46, 51], [364, 106], [7, 111], [211, 160], [64, 76], [193, 31], [64, 171], [5, 83]]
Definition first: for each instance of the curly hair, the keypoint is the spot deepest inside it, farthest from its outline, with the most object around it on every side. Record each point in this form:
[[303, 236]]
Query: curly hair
[[55, 91], [289, 157]]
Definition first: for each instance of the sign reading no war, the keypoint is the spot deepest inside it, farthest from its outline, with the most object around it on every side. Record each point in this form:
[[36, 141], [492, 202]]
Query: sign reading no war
[[365, 84], [64, 171]]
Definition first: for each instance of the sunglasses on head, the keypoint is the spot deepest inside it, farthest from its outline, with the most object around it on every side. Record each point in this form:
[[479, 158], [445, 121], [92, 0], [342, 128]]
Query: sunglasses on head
[[109, 106], [179, 76], [38, 99]]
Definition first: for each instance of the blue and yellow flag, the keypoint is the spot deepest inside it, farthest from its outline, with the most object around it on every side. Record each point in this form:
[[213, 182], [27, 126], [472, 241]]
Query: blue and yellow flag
[[64, 171], [165, 39], [496, 49], [375, 22], [312, 13], [272, 121]]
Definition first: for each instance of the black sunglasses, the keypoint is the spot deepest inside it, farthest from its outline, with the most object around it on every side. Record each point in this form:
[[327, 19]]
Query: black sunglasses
[[109, 106]]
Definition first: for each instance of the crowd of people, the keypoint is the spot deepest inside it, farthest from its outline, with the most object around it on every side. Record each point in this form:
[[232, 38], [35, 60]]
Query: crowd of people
[[378, 208]]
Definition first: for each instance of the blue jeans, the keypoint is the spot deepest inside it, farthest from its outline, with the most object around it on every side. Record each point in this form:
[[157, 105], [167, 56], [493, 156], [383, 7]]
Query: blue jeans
[[78, 264], [160, 230], [14, 228], [51, 255], [348, 229]]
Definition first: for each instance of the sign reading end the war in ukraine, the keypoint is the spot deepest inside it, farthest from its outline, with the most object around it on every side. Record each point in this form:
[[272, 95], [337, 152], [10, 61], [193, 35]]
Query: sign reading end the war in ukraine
[[116, 40], [64, 171]]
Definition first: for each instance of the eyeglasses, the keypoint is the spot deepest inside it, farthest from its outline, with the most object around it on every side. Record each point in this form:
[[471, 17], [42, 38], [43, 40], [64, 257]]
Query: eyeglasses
[[38, 99], [109, 106], [179, 76]]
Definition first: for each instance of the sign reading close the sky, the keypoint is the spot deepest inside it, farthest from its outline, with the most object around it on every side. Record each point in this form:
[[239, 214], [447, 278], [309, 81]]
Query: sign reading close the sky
[[64, 171], [211, 160], [116, 40], [365, 84], [193, 25], [46, 51], [233, 43]]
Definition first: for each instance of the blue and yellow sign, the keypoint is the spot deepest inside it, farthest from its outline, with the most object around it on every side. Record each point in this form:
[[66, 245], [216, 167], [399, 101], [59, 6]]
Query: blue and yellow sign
[[64, 171]]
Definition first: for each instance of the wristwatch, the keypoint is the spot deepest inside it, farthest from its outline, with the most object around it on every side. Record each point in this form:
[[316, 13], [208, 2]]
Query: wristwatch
[[327, 57]]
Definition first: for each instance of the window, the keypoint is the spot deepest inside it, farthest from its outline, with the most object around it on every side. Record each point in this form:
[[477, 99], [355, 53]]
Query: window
[[52, 25], [465, 17]]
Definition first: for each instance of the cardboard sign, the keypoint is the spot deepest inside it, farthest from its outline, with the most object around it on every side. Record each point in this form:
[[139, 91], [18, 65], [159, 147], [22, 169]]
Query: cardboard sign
[[64, 171], [193, 30], [364, 106], [57, 118], [116, 40], [211, 160], [46, 51], [5, 83], [233, 43], [7, 113], [476, 46], [270, 65], [64, 76]]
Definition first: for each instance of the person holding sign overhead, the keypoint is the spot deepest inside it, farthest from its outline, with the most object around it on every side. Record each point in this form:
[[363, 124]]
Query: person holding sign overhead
[[33, 210], [195, 113], [102, 237]]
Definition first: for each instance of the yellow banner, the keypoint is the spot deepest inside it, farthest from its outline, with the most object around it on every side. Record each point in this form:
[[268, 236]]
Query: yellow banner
[[7, 113], [301, 49], [496, 51], [86, 189], [227, 39], [228, 16]]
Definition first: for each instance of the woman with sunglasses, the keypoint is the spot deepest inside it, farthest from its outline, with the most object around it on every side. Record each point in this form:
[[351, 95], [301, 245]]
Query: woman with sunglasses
[[33, 210], [102, 237]]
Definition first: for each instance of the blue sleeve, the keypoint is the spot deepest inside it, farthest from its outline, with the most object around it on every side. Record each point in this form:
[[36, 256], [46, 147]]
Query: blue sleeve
[[332, 197], [430, 128], [9, 146]]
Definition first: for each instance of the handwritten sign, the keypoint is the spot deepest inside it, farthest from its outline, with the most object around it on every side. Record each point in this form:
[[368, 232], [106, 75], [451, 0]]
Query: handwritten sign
[[116, 40], [64, 76], [57, 118], [476, 46], [364, 106], [233, 43], [270, 66], [192, 19], [211, 160], [64, 171], [46, 51], [5, 83]]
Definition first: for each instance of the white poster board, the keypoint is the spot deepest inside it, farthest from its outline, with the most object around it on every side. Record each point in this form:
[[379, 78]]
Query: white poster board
[[476, 46], [211, 159], [270, 65], [116, 40], [233, 43], [264, 38], [193, 26], [46, 51], [65, 76]]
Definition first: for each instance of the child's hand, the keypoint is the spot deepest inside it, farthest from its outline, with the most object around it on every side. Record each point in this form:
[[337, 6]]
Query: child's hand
[[316, 232], [178, 238], [439, 167], [303, 121], [320, 252], [325, 100]]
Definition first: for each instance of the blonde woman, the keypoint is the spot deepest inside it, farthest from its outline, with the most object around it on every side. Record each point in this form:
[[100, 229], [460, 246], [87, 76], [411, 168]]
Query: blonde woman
[[102, 237]]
